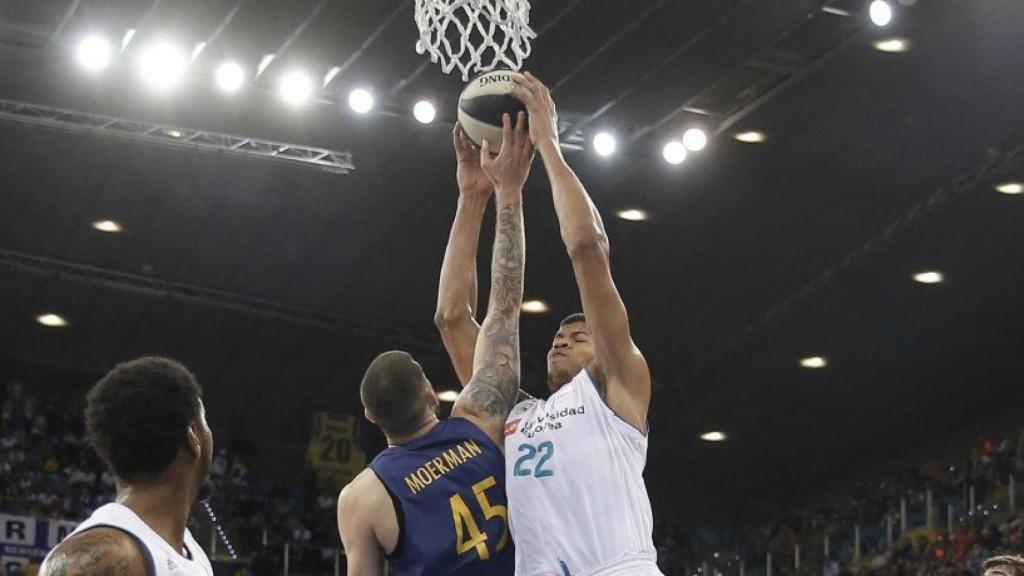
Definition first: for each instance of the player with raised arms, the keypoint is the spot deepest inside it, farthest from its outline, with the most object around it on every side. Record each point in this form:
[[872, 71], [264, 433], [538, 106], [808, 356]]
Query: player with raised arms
[[434, 501], [577, 500]]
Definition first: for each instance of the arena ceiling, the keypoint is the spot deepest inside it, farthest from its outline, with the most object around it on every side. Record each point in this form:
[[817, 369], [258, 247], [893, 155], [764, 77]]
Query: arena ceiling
[[277, 284]]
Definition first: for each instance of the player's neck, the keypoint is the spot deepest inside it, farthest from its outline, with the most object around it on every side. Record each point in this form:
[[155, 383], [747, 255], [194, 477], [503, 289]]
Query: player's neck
[[405, 439], [163, 503]]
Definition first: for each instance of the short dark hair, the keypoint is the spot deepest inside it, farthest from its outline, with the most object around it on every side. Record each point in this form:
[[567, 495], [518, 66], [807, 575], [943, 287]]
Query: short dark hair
[[572, 319], [392, 391], [137, 415], [1016, 563]]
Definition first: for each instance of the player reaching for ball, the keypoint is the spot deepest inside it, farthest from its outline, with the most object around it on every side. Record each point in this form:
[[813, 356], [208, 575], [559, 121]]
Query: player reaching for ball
[[574, 462], [434, 501]]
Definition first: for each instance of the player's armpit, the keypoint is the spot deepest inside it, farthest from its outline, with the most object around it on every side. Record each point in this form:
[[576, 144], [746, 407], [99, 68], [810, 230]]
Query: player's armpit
[[97, 552]]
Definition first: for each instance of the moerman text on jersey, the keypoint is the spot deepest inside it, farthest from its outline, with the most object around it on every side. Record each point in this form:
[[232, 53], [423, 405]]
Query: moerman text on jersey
[[436, 467]]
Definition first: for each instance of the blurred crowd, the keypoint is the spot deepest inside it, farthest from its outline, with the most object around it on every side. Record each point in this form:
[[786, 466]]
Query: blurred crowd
[[47, 470]]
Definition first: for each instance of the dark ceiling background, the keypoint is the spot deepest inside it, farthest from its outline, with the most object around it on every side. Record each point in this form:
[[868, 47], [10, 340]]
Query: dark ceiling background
[[278, 285]]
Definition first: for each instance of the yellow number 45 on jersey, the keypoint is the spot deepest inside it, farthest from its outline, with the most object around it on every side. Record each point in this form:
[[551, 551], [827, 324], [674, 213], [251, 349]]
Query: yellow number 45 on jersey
[[467, 533]]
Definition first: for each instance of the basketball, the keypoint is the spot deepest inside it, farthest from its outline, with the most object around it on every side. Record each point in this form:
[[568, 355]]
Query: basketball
[[482, 104]]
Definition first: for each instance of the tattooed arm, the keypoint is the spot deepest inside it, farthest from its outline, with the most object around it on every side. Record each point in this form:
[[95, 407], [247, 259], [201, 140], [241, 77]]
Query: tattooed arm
[[494, 386], [97, 552]]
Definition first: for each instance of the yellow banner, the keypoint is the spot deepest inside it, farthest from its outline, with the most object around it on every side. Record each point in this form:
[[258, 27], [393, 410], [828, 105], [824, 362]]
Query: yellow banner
[[333, 452]]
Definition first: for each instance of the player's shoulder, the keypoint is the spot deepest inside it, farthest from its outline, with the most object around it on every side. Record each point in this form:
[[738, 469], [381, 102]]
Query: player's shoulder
[[364, 484], [363, 494], [95, 552]]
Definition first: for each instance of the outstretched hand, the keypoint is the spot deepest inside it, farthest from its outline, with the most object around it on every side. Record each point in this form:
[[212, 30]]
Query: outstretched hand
[[543, 115], [510, 168], [468, 173]]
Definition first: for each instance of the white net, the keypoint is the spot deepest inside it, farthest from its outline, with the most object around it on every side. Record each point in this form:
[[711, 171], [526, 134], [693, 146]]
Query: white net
[[474, 35]]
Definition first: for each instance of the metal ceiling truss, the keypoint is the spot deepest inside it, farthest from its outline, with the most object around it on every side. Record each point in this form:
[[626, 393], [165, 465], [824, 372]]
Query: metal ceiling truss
[[159, 288], [323, 159]]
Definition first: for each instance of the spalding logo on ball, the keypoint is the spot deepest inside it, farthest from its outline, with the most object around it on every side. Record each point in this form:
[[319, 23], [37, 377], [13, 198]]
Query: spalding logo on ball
[[482, 104]]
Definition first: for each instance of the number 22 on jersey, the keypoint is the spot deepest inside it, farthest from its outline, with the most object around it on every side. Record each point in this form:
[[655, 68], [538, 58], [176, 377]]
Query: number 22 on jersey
[[545, 450], [467, 533]]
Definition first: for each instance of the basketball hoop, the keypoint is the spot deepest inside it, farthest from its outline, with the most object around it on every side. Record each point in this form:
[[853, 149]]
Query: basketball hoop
[[474, 35]]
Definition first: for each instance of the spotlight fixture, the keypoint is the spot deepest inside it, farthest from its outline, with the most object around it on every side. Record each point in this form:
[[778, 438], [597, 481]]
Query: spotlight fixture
[[929, 277], [893, 45], [880, 12], [360, 100], [695, 139], [632, 214], [129, 34], [162, 66], [94, 53], [448, 396], [230, 77], [674, 152], [108, 226], [715, 436], [1010, 188], [296, 88], [52, 320], [751, 137], [813, 362], [604, 144], [424, 112], [534, 307]]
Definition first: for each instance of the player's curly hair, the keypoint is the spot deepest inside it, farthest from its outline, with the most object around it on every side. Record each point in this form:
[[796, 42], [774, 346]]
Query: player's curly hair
[[1014, 563], [137, 415]]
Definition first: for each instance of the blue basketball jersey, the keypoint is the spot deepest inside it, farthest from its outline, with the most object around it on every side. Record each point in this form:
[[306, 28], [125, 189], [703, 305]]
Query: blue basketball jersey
[[448, 487]]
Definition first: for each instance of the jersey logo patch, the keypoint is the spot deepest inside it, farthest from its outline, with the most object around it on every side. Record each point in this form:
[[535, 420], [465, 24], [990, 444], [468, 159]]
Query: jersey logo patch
[[171, 566], [510, 427]]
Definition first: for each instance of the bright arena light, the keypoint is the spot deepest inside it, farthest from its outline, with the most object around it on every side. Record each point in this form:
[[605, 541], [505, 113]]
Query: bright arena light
[[94, 52], [52, 320], [1010, 188], [360, 100], [633, 215], [424, 112], [880, 12], [674, 152], [929, 277], [162, 66], [751, 137], [296, 88], [715, 436], [108, 226], [230, 77], [893, 45], [448, 396], [535, 307], [604, 144], [695, 139], [813, 362]]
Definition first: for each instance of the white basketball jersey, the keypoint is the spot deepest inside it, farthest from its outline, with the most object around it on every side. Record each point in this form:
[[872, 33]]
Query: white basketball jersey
[[576, 496], [163, 559]]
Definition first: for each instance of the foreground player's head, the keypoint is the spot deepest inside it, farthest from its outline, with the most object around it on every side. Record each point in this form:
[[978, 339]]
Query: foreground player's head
[[146, 419], [1004, 566], [396, 394], [571, 351]]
